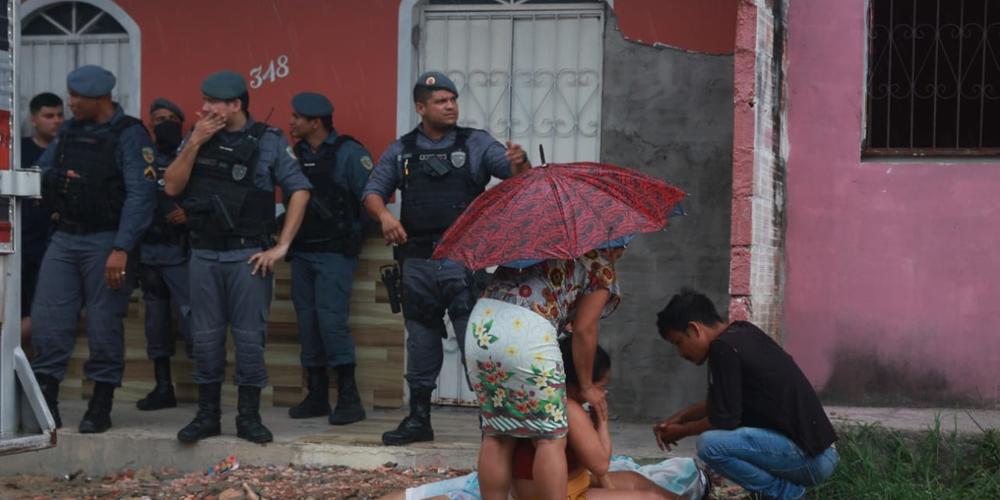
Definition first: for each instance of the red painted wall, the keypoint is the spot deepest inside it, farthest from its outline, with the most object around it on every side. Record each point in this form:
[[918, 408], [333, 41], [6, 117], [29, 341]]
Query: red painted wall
[[892, 278], [333, 47], [697, 25]]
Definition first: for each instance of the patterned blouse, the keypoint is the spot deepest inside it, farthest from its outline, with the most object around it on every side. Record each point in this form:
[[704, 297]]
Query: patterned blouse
[[552, 287]]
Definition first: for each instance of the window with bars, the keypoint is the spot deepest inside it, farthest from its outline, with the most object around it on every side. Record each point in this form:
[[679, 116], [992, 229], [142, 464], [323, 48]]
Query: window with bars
[[933, 83]]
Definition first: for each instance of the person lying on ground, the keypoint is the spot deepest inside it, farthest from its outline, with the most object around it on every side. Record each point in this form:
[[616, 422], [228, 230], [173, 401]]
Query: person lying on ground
[[588, 455], [762, 424]]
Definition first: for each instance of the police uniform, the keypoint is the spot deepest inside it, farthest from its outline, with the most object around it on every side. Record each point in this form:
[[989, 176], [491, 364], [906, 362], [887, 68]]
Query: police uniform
[[324, 257], [229, 200], [107, 207], [438, 179], [163, 270]]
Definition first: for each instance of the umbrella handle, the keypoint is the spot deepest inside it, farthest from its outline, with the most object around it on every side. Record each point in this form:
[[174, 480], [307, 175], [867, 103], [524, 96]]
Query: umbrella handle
[[541, 153]]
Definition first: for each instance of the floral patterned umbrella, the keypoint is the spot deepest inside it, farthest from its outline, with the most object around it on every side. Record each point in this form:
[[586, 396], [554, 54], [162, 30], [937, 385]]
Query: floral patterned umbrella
[[557, 211]]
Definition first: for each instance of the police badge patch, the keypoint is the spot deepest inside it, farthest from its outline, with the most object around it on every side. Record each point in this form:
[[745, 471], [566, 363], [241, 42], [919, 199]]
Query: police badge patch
[[366, 161], [148, 155], [239, 172], [458, 159], [149, 173]]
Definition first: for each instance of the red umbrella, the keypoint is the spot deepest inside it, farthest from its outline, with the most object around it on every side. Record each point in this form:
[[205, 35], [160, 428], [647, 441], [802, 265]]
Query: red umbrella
[[557, 211]]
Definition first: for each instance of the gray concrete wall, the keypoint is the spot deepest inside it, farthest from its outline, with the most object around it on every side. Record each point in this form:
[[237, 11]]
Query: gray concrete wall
[[668, 113]]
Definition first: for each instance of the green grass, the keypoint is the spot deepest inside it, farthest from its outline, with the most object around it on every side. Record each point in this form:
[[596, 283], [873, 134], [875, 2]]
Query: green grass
[[877, 463]]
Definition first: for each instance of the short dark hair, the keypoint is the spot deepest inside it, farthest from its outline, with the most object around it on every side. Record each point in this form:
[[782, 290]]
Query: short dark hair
[[683, 308], [244, 99], [44, 100], [326, 121], [602, 363], [421, 93]]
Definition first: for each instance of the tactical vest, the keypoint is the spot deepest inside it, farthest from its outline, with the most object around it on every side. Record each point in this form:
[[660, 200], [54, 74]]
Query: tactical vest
[[225, 209], [96, 203], [330, 219], [161, 232], [437, 187]]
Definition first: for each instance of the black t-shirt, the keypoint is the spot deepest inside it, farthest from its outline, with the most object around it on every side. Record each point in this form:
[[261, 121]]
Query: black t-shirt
[[753, 382], [36, 219]]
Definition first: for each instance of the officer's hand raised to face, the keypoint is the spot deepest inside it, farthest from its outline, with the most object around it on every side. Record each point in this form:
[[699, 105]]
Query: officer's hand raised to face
[[392, 229], [206, 127]]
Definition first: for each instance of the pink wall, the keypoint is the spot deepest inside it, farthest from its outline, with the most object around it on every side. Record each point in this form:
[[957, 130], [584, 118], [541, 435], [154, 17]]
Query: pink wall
[[893, 261]]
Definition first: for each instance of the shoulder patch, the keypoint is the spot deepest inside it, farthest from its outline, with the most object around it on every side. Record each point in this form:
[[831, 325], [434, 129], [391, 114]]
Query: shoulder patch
[[148, 155], [291, 153], [149, 173], [366, 161]]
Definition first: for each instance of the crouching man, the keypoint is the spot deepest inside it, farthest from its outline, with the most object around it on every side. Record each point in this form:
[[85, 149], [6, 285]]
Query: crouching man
[[762, 425]]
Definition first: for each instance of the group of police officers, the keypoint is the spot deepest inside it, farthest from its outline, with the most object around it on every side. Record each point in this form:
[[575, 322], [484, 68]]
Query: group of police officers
[[192, 220]]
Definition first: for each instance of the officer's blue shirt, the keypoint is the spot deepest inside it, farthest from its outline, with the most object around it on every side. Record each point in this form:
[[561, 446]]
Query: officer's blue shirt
[[162, 254], [276, 166], [487, 157], [140, 189]]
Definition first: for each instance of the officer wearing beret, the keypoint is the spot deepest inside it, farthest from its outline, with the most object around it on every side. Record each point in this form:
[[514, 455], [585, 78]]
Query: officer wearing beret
[[98, 175], [324, 257], [440, 168], [227, 170], [163, 262]]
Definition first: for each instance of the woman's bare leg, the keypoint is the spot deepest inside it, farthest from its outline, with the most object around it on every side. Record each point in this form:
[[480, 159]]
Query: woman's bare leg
[[549, 469], [496, 455]]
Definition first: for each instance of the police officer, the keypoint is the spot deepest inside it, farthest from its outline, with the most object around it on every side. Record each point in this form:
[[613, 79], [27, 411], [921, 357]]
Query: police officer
[[98, 176], [440, 168], [163, 257], [324, 256], [227, 169]]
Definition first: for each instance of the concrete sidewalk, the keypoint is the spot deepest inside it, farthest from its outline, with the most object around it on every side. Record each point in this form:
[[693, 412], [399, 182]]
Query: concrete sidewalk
[[148, 439]]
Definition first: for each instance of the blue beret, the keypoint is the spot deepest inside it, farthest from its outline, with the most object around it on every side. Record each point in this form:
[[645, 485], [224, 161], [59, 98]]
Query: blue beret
[[161, 103], [224, 85], [312, 104], [90, 81], [436, 80]]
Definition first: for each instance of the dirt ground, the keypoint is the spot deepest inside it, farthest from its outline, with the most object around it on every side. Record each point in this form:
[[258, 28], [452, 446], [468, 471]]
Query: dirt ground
[[230, 481], [227, 483]]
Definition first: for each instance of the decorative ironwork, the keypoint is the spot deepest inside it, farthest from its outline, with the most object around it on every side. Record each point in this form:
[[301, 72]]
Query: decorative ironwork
[[933, 82], [70, 19]]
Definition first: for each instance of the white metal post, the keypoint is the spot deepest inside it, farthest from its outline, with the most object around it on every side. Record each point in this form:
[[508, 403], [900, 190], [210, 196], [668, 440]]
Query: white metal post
[[25, 422]]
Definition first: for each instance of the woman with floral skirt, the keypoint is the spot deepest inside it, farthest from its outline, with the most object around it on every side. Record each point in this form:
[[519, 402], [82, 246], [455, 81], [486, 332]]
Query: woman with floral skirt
[[515, 366]]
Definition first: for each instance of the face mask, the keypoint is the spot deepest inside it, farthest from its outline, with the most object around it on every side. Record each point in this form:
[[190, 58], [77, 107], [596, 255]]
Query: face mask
[[168, 136]]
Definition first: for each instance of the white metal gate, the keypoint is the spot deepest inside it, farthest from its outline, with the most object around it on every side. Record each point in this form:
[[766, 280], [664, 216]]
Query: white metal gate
[[528, 72], [59, 37]]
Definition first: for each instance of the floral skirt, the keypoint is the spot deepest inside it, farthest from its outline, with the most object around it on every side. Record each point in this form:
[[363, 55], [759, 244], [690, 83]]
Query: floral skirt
[[516, 369]]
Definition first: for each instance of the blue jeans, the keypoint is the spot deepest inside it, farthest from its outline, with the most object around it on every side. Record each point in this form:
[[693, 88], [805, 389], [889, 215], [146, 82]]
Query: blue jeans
[[321, 292], [765, 461]]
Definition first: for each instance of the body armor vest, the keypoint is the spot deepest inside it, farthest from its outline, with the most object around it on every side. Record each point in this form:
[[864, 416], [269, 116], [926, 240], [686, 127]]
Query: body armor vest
[[161, 232], [225, 209], [95, 201], [437, 187], [332, 213]]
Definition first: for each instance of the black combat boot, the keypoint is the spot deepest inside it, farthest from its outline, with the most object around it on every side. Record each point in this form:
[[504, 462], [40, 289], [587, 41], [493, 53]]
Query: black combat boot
[[162, 396], [98, 416], [349, 408], [207, 422], [416, 426], [317, 401], [248, 424], [50, 390]]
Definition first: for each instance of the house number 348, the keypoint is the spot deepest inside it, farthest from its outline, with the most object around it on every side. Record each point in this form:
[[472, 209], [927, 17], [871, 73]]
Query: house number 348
[[276, 69]]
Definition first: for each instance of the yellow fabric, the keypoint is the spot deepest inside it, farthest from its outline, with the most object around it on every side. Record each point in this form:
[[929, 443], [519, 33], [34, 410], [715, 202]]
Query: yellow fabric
[[578, 486]]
